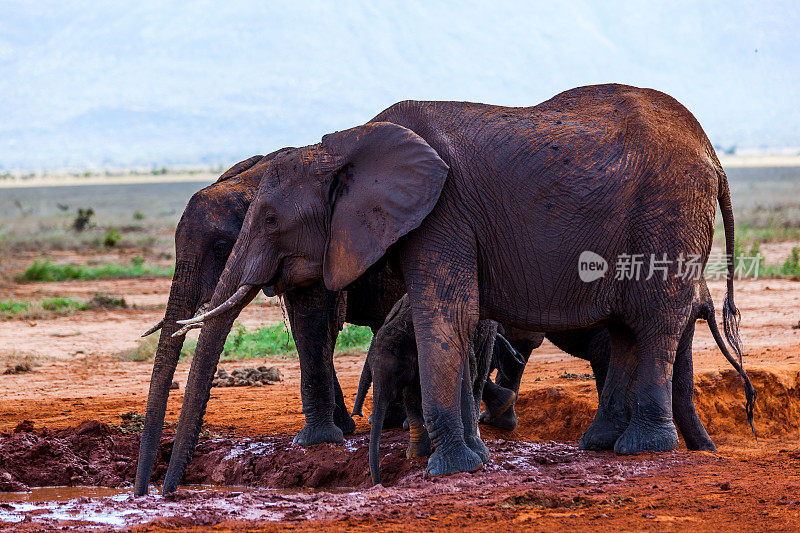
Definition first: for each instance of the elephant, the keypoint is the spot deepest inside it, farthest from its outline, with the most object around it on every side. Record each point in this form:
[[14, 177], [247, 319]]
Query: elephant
[[210, 225], [392, 358], [593, 344], [204, 238], [486, 211]]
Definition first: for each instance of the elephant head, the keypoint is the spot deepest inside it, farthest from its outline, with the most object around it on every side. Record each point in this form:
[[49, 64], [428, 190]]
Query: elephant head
[[204, 238], [323, 212]]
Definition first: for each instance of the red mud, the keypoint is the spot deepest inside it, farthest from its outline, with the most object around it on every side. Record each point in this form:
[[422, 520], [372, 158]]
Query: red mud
[[96, 454]]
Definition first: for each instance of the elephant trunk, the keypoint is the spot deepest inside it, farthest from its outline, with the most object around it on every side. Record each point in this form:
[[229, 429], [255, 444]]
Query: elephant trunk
[[181, 304], [204, 364], [195, 399], [363, 387], [379, 404]]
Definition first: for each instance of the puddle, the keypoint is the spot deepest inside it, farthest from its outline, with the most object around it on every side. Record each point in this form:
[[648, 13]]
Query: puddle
[[64, 494], [60, 494]]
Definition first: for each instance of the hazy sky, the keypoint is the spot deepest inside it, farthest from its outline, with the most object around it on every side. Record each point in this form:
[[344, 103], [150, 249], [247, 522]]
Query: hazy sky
[[150, 82]]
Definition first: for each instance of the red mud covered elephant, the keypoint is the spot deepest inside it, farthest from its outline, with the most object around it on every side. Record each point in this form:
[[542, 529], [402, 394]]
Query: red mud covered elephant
[[485, 211]]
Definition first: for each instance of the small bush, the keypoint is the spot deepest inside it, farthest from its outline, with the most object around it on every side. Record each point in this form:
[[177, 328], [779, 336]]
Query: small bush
[[107, 301], [82, 219], [354, 338], [138, 215], [145, 350], [791, 267], [47, 271], [111, 239]]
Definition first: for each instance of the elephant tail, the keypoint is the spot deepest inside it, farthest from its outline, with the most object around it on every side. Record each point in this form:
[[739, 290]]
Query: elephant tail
[[363, 387], [730, 313], [749, 391]]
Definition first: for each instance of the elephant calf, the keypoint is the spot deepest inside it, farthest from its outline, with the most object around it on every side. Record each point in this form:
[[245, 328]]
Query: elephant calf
[[392, 358]]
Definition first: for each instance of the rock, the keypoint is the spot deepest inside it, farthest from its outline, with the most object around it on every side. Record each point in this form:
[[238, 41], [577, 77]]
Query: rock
[[24, 426], [262, 369], [273, 374], [9, 484]]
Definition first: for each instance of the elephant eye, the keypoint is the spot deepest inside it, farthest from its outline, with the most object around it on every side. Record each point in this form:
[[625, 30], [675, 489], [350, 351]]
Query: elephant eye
[[222, 249], [271, 220]]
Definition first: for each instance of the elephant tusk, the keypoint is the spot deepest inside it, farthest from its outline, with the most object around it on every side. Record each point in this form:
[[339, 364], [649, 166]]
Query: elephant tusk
[[186, 328], [155, 328], [200, 310], [240, 293]]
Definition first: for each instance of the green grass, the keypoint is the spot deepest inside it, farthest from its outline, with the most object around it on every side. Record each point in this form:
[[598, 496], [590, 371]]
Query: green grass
[[790, 268], [276, 340], [248, 344], [41, 308], [50, 307], [47, 271]]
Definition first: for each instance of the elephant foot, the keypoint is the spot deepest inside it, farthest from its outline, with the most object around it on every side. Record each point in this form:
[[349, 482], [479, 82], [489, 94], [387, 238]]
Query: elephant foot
[[318, 433], [700, 443], [647, 435], [452, 459], [507, 420], [499, 407], [344, 421], [706, 445], [476, 444], [419, 444], [602, 434], [695, 436]]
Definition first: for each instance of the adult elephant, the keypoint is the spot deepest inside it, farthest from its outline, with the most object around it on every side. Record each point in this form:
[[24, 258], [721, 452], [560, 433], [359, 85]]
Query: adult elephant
[[204, 238], [485, 210]]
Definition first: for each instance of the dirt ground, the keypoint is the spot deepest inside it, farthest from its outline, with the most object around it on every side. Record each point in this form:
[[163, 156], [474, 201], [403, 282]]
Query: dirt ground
[[747, 483]]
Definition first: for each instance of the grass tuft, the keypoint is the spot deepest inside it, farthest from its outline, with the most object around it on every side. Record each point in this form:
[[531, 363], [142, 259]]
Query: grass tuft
[[47, 271], [50, 307], [145, 350]]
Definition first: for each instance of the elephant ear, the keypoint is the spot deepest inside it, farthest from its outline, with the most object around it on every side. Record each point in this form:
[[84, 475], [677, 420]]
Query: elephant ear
[[240, 167], [390, 180]]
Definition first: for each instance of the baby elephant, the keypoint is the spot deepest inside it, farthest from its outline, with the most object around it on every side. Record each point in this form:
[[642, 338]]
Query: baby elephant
[[392, 358]]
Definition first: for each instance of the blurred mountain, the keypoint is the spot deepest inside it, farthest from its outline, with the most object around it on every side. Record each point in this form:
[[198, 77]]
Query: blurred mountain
[[151, 83]]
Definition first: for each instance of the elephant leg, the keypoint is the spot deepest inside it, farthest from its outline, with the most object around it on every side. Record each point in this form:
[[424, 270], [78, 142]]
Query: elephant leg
[[313, 316], [500, 396], [651, 427], [443, 292], [683, 409], [341, 417], [395, 413], [469, 418], [616, 398], [419, 443], [599, 354]]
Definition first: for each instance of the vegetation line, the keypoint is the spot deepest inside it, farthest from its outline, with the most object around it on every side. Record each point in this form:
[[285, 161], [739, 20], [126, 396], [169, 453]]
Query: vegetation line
[[47, 271]]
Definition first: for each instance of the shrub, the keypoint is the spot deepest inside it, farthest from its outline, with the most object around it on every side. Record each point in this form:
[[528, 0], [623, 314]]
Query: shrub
[[111, 239]]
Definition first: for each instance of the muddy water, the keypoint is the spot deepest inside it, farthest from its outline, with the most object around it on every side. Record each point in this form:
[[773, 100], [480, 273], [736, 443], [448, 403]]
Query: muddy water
[[269, 479]]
